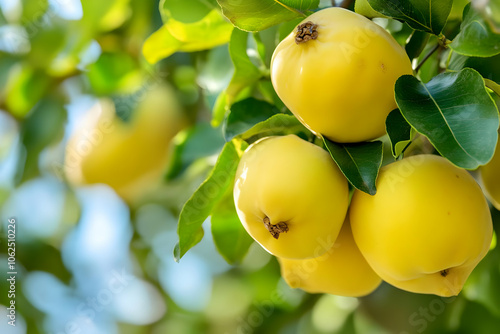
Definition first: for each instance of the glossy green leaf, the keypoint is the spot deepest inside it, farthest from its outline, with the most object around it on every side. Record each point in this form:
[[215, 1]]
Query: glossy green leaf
[[230, 237], [455, 112], [245, 114], [200, 141], [245, 74], [359, 162], [426, 15], [256, 15], [399, 132], [363, 7], [489, 68], [277, 125], [173, 36], [202, 202], [416, 44], [476, 39]]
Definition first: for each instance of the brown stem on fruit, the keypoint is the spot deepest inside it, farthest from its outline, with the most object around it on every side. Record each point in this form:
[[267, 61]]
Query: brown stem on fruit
[[444, 273], [275, 229], [305, 32]]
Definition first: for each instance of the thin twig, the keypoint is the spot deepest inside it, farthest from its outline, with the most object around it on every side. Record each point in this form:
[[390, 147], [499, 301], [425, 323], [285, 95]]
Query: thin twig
[[401, 155], [427, 56]]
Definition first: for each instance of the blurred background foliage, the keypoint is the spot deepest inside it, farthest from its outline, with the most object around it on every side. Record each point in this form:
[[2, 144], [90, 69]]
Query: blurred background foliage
[[91, 260]]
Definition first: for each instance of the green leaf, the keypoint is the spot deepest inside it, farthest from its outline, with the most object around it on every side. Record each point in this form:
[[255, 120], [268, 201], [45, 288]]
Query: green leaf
[[359, 162], [455, 112], [363, 7], [269, 94], [476, 39], [286, 28], [426, 15], [220, 108], [199, 141], [301, 4], [230, 237], [266, 42], [202, 202], [277, 125], [416, 44], [245, 74], [173, 36], [256, 15], [399, 132], [488, 67], [245, 114]]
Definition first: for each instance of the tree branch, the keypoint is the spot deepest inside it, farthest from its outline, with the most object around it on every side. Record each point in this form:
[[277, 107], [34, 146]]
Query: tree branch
[[427, 56]]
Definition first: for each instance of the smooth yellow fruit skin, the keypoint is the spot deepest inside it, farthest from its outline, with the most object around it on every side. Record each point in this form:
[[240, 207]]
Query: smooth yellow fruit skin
[[129, 157], [427, 216], [341, 271], [490, 175], [290, 180], [340, 85]]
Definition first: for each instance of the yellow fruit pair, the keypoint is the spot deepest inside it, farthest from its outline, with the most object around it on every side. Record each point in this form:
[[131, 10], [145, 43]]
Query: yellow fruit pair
[[292, 199], [426, 228]]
